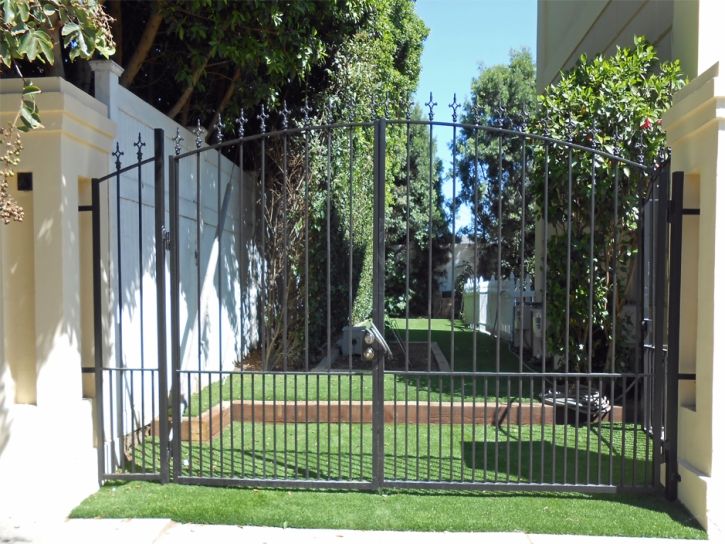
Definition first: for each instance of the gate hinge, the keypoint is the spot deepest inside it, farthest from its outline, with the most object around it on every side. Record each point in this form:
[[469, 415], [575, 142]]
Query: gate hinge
[[166, 238]]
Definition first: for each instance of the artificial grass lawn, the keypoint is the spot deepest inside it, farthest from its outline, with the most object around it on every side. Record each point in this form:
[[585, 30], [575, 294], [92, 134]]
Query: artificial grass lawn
[[335, 386], [404, 510], [599, 454]]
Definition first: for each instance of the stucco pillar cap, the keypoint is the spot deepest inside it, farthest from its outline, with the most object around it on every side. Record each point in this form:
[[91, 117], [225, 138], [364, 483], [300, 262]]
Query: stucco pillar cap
[[106, 66]]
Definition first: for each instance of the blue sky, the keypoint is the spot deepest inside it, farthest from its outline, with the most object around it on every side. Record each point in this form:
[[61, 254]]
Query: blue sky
[[464, 33]]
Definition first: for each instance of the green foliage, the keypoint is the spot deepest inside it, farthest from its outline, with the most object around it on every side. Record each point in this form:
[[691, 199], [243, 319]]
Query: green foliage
[[27, 25], [512, 87], [625, 95], [422, 209]]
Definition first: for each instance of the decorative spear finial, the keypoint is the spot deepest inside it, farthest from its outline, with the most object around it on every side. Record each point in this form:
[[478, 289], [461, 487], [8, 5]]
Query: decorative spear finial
[[430, 104], [454, 105], [595, 132], [239, 121], [262, 120], [306, 109], [640, 149], [569, 129], [386, 102], [616, 140], [351, 109], [546, 119], [139, 145], [373, 106], [285, 112], [219, 126], [177, 141], [118, 153], [500, 113], [524, 116], [407, 103], [198, 131], [328, 110]]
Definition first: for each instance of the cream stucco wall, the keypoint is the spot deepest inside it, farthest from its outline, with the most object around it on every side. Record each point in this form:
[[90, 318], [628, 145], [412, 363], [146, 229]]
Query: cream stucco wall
[[42, 405]]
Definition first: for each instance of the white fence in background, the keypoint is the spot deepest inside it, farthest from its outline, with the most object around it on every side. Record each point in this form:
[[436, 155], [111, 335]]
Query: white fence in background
[[231, 316], [484, 295]]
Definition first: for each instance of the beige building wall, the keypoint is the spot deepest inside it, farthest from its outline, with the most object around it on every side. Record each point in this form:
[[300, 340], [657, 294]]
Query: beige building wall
[[44, 413]]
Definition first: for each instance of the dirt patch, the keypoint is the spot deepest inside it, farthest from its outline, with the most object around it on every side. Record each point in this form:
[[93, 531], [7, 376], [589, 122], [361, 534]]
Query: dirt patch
[[417, 354]]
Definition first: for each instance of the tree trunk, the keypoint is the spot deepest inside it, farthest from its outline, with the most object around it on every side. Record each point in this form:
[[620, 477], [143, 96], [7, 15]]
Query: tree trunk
[[58, 69], [143, 48], [225, 99], [184, 98], [114, 10]]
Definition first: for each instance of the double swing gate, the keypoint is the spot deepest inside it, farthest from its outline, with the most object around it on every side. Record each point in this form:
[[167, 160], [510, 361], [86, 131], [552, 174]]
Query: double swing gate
[[304, 343]]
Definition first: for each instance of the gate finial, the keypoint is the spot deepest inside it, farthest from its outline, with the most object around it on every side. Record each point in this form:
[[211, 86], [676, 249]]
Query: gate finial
[[501, 113], [546, 119], [430, 105], [595, 131], [477, 110], [524, 116], [328, 110], [616, 140], [117, 154], [262, 118], [139, 145], [455, 105], [219, 126], [373, 105], [240, 123], [177, 141], [351, 109], [306, 109], [407, 103], [640, 149], [285, 112], [198, 131], [569, 129], [386, 102]]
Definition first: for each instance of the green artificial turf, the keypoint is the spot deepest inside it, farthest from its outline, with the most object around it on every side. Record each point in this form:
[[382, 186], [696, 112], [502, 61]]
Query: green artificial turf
[[280, 386], [552, 513], [599, 454]]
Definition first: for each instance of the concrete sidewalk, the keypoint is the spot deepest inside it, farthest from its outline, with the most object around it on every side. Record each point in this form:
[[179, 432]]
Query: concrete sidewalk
[[165, 531]]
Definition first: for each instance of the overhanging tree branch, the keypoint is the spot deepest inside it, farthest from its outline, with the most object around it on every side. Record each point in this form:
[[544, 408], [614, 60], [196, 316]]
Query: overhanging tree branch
[[143, 48]]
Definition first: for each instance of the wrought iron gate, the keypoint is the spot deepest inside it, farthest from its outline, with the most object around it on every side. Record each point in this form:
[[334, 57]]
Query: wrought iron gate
[[268, 388]]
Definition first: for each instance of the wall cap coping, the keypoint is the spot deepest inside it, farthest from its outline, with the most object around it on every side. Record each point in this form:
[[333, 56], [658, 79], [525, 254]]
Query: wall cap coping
[[697, 83], [53, 85], [696, 106], [106, 66]]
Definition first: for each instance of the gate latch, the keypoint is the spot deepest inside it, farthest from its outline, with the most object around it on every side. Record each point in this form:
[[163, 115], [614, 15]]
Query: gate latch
[[166, 238]]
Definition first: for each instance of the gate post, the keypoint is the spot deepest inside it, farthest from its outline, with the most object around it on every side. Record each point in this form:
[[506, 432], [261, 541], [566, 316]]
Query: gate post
[[163, 392], [379, 301], [174, 292], [673, 336], [662, 190], [98, 325]]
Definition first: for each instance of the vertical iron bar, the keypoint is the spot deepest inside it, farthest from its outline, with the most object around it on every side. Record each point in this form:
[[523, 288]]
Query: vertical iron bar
[[543, 308], [498, 276], [263, 271], [140, 309], [307, 270], [453, 266], [199, 220], [285, 252], [160, 208], [407, 258], [220, 223], [673, 336], [568, 273], [430, 246], [175, 314], [592, 189], [379, 301]]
